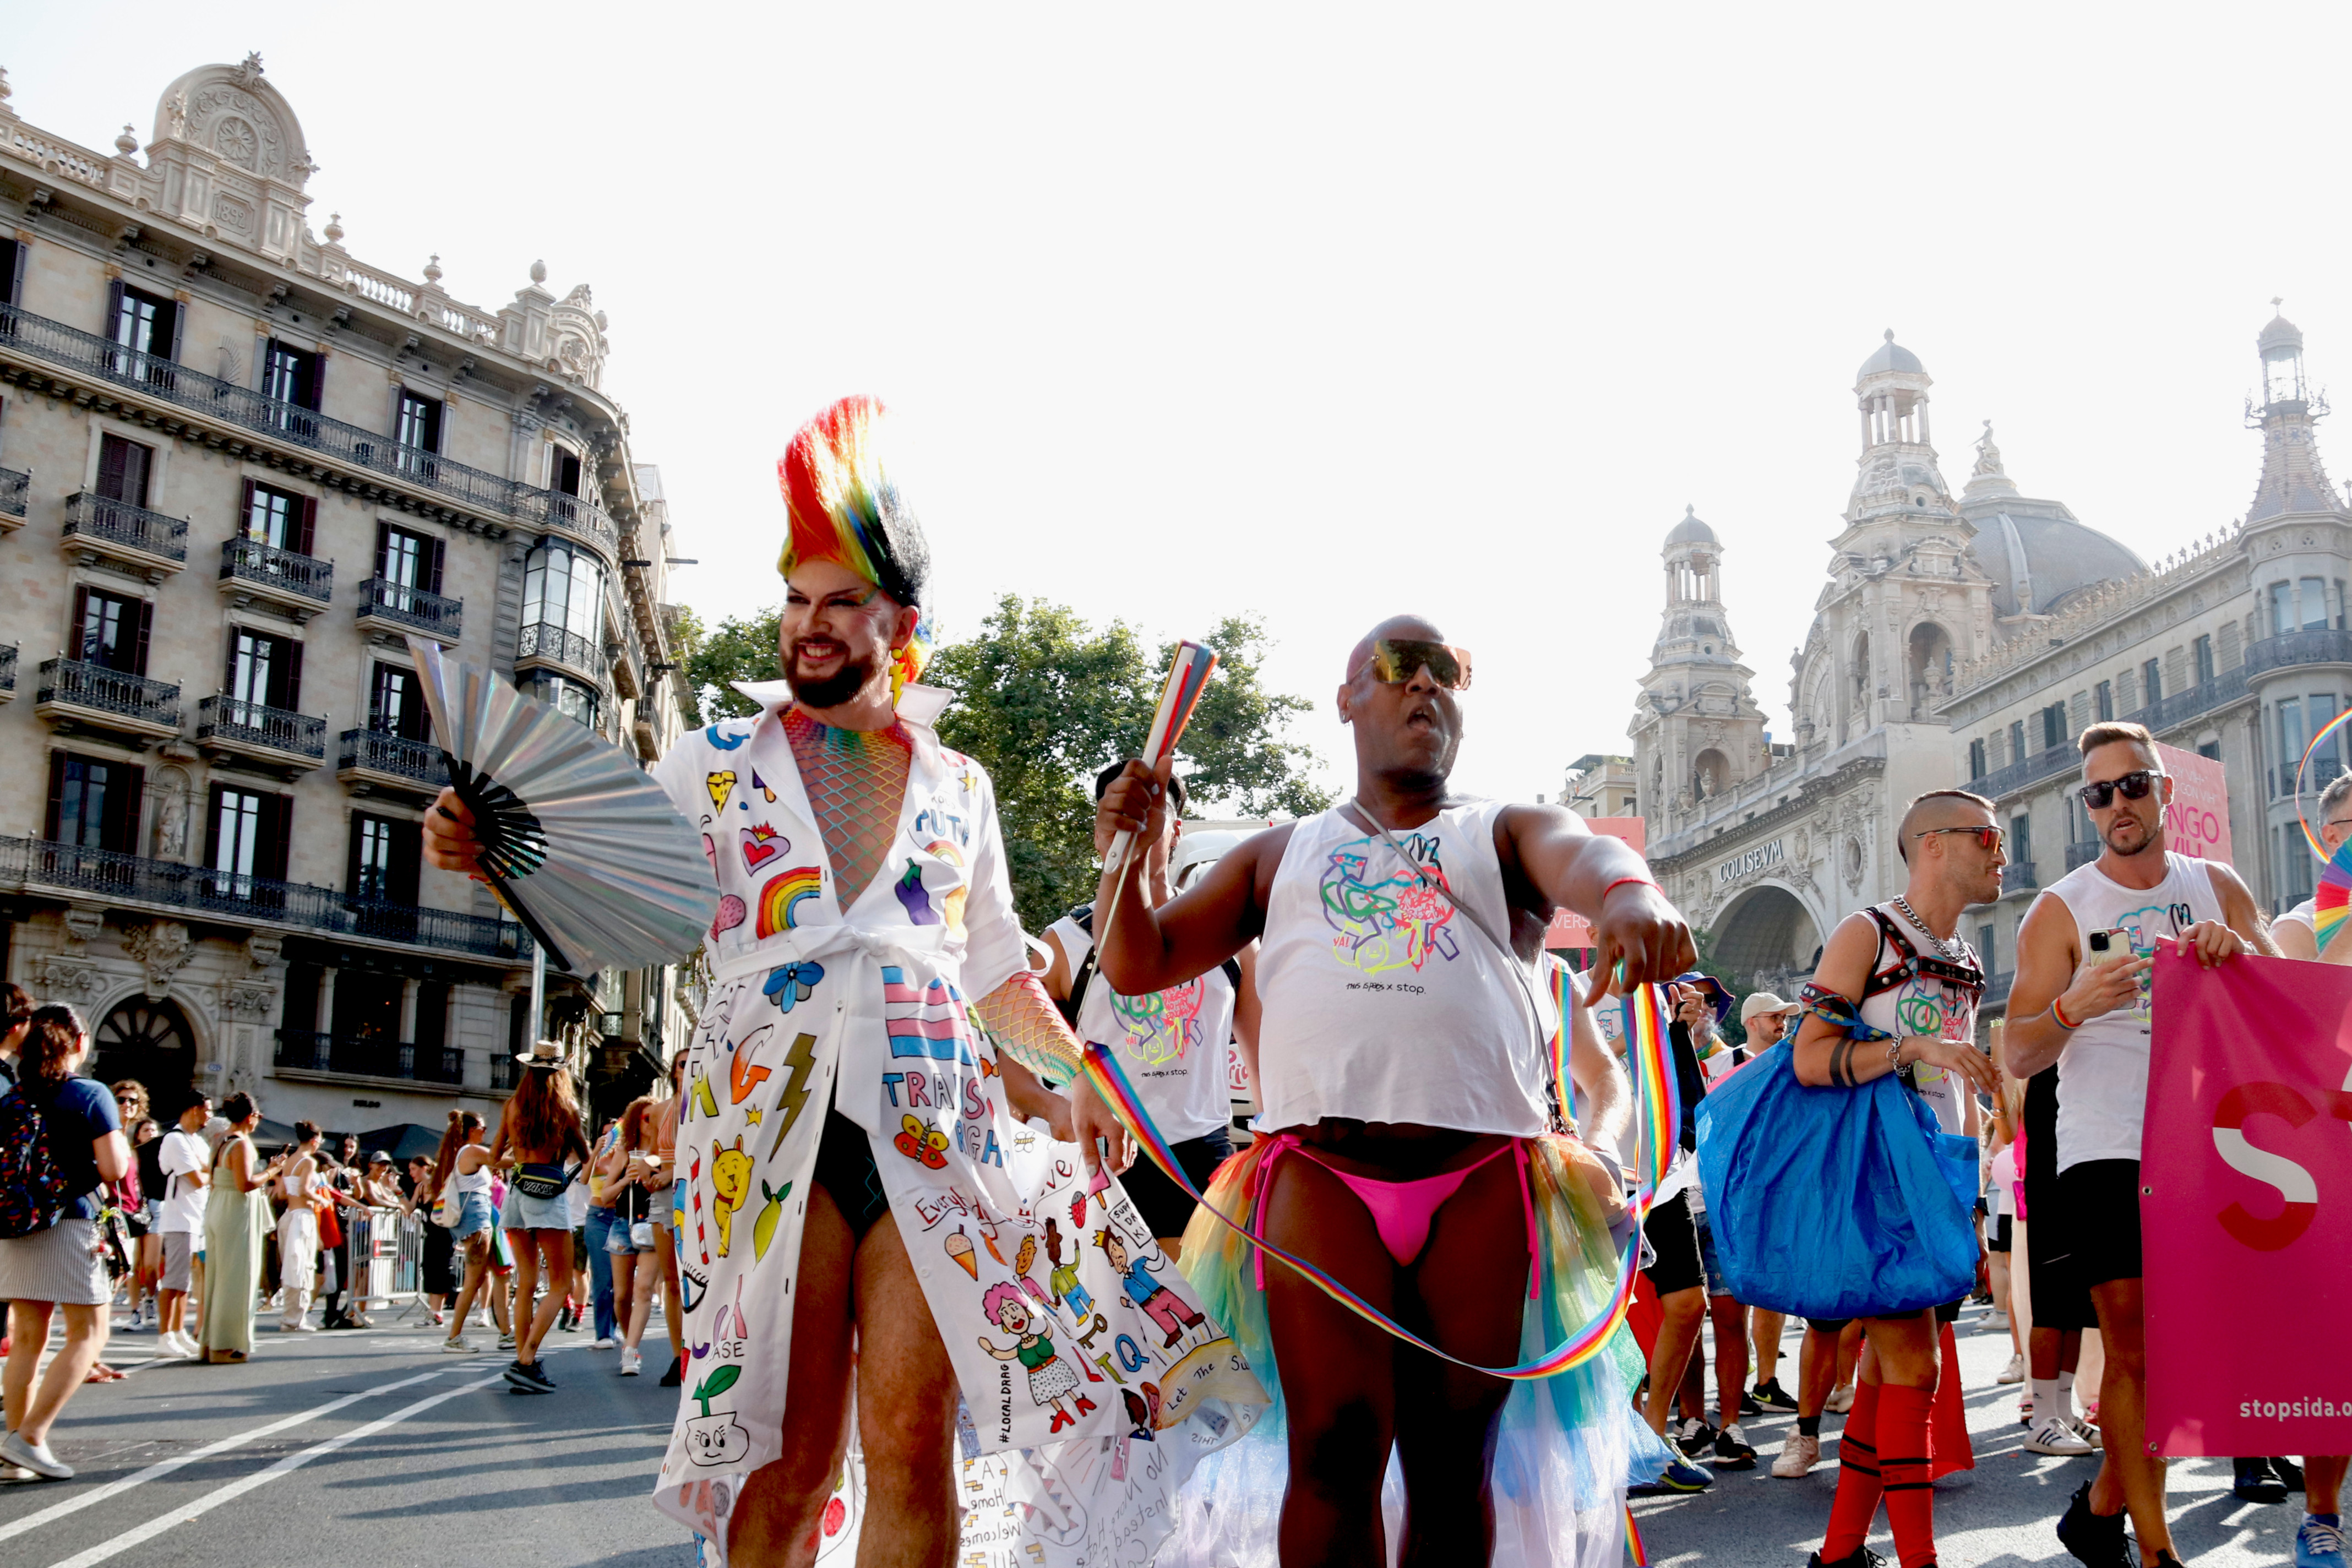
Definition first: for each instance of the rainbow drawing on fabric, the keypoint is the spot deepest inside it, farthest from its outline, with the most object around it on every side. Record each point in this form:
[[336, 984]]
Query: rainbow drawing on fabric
[[930, 1022], [1161, 1027], [780, 898], [953, 905], [1654, 1094], [1393, 922]]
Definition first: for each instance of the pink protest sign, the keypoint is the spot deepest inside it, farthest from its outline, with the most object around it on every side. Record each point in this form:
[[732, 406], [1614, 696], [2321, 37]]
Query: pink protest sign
[[2246, 1206], [2198, 821], [1575, 931]]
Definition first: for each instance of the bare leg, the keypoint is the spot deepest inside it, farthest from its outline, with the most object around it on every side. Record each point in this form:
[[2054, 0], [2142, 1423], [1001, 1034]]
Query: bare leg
[[1731, 1321], [2129, 1477], [1471, 1281], [906, 1412], [554, 1250], [644, 1273], [783, 1501], [85, 1338], [2323, 1482], [478, 1263], [525, 1284], [1764, 1330], [1337, 1371], [1849, 1354], [1817, 1364], [673, 1302], [1996, 1266], [1690, 1394], [1681, 1313], [28, 1335]]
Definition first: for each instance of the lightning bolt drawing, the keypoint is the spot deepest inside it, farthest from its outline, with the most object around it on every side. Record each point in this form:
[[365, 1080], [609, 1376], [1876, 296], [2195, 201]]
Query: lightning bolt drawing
[[800, 1067]]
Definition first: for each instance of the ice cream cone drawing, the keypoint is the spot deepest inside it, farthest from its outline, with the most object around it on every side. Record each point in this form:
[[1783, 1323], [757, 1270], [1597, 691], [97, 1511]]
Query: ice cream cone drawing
[[958, 1247]]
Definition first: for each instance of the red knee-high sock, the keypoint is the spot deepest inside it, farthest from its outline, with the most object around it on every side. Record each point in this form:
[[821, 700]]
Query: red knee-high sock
[[1856, 1503], [1903, 1415]]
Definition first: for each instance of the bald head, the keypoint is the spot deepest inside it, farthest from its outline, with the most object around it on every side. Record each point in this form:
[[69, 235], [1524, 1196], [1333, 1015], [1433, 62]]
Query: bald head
[[1411, 626]]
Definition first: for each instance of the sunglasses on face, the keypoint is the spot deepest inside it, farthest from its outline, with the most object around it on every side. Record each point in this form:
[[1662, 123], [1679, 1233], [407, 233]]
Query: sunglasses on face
[[1988, 837], [1396, 661], [2133, 785]]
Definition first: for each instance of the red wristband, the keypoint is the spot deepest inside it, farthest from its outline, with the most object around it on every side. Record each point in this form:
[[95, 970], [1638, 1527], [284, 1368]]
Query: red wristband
[[1637, 882], [2063, 1022]]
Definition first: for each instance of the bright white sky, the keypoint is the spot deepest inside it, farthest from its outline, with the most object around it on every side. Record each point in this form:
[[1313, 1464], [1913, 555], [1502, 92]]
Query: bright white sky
[[1329, 312]]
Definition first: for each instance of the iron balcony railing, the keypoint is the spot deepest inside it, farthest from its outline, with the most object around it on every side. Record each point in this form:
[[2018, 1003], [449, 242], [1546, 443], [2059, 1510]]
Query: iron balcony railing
[[410, 606], [104, 691], [8, 668], [1996, 989], [313, 1050], [251, 561], [2020, 776], [15, 491], [2083, 852], [118, 523], [2326, 646], [2170, 713], [253, 725], [2017, 877], [156, 376], [379, 753], [2316, 777], [40, 863], [542, 639]]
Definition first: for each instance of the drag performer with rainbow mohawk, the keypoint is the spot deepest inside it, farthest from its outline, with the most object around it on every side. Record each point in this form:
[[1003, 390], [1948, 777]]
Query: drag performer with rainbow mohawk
[[847, 1087]]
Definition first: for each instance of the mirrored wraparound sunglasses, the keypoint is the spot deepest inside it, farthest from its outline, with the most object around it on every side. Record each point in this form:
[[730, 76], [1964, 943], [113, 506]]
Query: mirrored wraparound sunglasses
[[1988, 837], [2133, 785], [1396, 661]]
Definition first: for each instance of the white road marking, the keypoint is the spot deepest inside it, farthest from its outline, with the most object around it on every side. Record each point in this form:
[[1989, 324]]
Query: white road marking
[[291, 1462], [164, 1468]]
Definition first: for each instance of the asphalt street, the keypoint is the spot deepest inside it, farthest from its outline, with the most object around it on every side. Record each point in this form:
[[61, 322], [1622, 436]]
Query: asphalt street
[[377, 1448], [367, 1447], [2000, 1514]]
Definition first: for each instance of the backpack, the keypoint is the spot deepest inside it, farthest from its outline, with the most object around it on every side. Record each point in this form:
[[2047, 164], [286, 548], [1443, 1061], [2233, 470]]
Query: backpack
[[34, 1193], [1082, 916]]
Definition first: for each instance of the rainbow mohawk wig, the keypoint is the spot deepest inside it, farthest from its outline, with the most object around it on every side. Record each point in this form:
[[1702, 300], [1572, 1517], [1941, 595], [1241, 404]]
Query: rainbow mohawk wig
[[843, 508]]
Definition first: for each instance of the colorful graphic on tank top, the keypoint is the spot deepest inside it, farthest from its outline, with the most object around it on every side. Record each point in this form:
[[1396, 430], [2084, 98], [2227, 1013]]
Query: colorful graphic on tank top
[[2145, 928], [1161, 1027], [1386, 921]]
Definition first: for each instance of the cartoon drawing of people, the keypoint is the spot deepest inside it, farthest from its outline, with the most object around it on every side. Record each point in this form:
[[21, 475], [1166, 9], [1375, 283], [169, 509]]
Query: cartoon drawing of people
[[1051, 1381], [1022, 1261], [1064, 1277], [1160, 1304]]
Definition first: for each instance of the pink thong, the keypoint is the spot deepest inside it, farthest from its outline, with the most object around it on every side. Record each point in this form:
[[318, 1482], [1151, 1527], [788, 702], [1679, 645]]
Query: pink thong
[[1402, 1212]]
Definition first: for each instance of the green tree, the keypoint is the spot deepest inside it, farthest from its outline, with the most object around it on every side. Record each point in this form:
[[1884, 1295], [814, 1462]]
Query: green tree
[[741, 648], [1045, 701]]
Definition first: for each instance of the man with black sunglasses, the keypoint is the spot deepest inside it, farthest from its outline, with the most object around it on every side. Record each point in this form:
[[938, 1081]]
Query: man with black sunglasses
[[2088, 1014]]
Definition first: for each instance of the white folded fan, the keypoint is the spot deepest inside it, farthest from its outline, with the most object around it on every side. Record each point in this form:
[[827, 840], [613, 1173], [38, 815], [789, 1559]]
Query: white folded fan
[[583, 847]]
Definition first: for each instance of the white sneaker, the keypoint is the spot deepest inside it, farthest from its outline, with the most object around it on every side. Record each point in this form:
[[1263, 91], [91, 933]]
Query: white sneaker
[[1840, 1400], [631, 1362], [456, 1347], [604, 1344], [2084, 1430], [1798, 1455], [2055, 1436], [35, 1458], [2014, 1372]]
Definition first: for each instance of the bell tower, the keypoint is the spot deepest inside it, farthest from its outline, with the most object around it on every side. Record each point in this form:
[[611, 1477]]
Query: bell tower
[[1699, 732]]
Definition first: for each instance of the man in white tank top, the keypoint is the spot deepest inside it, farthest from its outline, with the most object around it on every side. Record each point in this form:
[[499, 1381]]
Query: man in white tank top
[[2081, 1001], [1399, 1060], [1901, 969]]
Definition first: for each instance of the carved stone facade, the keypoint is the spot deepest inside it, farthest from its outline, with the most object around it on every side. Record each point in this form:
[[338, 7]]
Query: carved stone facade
[[323, 456]]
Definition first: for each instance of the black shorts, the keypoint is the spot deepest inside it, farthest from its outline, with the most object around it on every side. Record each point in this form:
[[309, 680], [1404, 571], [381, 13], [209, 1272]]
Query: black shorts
[[1674, 1236], [845, 1169], [1166, 1207], [1997, 1240], [1828, 1325], [2101, 1203]]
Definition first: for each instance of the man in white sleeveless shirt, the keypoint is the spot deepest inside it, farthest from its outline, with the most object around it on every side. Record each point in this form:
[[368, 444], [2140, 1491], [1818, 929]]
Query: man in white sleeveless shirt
[[1398, 1064], [2090, 1017]]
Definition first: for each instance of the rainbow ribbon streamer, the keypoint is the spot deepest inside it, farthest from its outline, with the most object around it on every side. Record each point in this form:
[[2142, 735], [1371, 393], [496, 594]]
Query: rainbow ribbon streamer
[[2332, 900], [1654, 1091]]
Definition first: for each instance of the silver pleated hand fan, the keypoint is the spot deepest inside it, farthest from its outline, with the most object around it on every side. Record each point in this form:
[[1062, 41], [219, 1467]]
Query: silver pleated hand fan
[[585, 849]]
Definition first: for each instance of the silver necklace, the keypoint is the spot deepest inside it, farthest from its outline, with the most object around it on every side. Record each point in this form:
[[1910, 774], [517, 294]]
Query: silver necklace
[[1949, 946]]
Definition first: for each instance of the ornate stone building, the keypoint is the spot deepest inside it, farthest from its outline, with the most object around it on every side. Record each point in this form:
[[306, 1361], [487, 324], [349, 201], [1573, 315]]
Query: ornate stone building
[[237, 467], [1969, 640]]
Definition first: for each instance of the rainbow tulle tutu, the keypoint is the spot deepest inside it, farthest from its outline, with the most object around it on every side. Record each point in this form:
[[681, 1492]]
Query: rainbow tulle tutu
[[1570, 1443]]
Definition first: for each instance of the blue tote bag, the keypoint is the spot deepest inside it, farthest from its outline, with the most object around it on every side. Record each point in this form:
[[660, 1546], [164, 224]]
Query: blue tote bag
[[1834, 1203]]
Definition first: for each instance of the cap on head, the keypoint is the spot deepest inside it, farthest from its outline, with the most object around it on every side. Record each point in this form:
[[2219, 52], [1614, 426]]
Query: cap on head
[[841, 505], [1763, 1002]]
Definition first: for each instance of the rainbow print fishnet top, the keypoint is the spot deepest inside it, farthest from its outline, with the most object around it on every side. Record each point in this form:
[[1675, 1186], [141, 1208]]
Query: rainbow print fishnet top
[[856, 784]]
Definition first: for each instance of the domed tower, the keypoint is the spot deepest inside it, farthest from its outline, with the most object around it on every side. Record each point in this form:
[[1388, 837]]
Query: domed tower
[[1697, 731], [2294, 480]]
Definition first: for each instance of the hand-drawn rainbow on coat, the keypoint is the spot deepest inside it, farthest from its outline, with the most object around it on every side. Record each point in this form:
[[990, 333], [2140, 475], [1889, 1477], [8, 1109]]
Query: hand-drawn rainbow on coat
[[780, 898], [1163, 1026], [1393, 922]]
